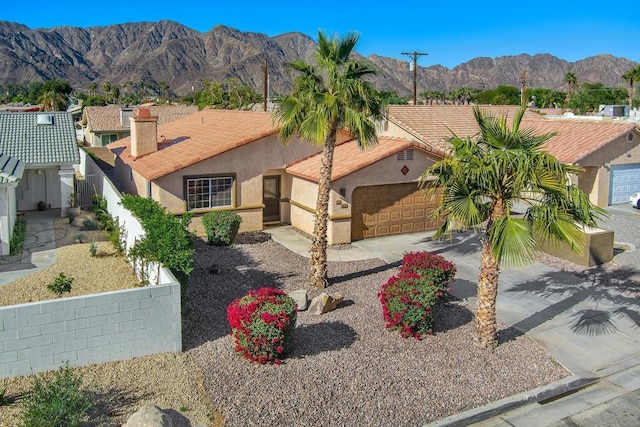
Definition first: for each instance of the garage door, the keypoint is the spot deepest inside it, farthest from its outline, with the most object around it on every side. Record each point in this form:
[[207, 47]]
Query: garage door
[[382, 210], [624, 181]]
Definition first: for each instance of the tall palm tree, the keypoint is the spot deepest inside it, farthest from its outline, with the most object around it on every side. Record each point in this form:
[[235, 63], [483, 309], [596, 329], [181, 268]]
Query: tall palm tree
[[482, 179], [571, 81], [631, 76], [326, 97]]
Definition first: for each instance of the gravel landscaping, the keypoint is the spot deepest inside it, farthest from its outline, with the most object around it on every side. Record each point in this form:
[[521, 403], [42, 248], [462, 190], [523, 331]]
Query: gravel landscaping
[[345, 367]]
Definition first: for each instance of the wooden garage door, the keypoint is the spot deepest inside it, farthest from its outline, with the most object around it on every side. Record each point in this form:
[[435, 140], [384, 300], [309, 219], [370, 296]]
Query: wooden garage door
[[624, 181], [382, 210]]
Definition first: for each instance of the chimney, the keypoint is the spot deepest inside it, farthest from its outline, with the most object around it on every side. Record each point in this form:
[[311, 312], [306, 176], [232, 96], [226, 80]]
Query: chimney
[[144, 133], [125, 116]]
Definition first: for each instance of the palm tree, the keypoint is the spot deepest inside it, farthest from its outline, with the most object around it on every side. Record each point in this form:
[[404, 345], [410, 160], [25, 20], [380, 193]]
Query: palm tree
[[92, 88], [52, 101], [631, 75], [483, 179], [326, 97], [571, 81]]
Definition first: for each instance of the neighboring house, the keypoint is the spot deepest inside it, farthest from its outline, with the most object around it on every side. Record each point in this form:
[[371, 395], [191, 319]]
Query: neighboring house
[[40, 151], [234, 160], [103, 125], [609, 151]]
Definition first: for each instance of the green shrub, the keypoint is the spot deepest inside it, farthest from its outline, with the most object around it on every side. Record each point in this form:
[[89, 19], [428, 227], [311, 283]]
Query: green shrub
[[221, 227], [262, 324], [3, 395], [93, 249], [167, 239], [99, 207], [57, 401], [61, 284], [17, 238], [80, 238], [409, 298], [117, 237], [89, 224]]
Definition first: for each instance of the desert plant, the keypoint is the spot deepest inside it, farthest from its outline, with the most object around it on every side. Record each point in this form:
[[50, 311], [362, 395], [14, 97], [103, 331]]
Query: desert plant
[[93, 249], [57, 401], [72, 200], [409, 298], [99, 207], [89, 224], [17, 238], [60, 284], [221, 227], [262, 324], [80, 238], [3, 395], [117, 237]]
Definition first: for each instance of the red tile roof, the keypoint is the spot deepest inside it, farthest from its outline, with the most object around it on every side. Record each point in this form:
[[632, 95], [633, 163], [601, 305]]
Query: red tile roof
[[575, 139], [195, 138], [348, 157], [107, 118]]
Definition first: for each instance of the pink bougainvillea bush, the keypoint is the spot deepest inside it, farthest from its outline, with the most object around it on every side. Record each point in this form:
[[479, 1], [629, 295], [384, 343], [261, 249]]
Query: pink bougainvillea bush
[[408, 299], [262, 324]]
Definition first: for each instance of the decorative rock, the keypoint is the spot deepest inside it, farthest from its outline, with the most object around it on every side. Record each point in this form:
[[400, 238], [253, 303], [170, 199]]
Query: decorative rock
[[325, 303], [149, 416], [301, 298], [214, 269]]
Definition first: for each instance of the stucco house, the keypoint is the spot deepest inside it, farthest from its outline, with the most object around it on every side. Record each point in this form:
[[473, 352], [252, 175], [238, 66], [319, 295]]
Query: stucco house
[[39, 151], [608, 150], [222, 159], [102, 125]]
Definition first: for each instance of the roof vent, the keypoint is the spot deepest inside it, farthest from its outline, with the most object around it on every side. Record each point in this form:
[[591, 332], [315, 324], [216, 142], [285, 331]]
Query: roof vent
[[44, 119]]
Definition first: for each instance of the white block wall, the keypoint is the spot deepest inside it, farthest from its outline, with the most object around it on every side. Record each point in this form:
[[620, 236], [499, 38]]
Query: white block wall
[[82, 330]]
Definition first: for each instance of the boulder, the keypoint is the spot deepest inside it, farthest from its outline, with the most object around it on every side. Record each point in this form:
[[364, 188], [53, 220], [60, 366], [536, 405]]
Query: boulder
[[149, 416], [325, 303], [301, 298]]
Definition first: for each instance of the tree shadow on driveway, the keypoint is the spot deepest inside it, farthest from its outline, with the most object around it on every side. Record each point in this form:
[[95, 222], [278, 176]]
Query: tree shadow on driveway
[[597, 296]]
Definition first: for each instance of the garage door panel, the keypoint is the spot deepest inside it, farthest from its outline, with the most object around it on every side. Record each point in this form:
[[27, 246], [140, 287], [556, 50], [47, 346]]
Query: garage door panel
[[391, 209], [624, 181]]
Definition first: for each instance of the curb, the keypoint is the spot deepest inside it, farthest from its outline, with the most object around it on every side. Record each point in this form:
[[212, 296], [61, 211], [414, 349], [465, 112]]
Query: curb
[[544, 394]]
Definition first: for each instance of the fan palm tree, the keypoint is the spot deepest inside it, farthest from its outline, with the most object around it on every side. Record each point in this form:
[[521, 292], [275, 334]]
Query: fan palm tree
[[326, 97], [52, 101], [482, 179], [631, 76], [571, 81]]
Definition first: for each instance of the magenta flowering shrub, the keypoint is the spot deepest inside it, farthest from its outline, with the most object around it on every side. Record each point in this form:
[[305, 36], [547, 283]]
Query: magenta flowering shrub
[[408, 299], [262, 324]]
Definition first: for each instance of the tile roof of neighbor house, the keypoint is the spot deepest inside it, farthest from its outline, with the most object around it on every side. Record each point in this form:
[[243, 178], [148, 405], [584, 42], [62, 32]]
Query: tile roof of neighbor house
[[348, 157], [107, 118], [575, 139], [23, 138], [197, 137]]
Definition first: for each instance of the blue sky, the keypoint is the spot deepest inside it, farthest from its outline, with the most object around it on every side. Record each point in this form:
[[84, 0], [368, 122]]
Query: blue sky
[[451, 32]]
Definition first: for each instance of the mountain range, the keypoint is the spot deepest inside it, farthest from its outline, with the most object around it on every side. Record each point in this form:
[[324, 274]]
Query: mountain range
[[169, 52]]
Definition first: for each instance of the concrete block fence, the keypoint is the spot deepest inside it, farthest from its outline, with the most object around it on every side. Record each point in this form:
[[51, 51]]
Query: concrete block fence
[[82, 330], [119, 325]]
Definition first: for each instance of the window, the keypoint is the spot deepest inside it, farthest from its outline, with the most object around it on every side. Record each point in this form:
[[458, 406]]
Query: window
[[108, 138], [207, 193]]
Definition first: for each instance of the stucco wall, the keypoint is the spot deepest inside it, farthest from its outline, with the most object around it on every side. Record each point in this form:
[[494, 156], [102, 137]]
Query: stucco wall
[[385, 171], [248, 164], [596, 180]]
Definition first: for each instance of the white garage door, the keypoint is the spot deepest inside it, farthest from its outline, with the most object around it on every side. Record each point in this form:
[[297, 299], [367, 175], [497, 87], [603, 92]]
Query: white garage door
[[625, 181]]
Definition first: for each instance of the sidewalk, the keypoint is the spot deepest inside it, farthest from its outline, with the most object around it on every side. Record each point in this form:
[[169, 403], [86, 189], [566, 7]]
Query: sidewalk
[[590, 328], [39, 249]]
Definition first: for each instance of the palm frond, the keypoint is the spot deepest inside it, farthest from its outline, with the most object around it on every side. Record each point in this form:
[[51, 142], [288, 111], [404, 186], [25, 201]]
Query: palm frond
[[511, 241]]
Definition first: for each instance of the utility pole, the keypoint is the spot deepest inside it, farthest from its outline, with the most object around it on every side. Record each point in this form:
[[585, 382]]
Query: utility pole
[[523, 95], [266, 77], [415, 55]]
